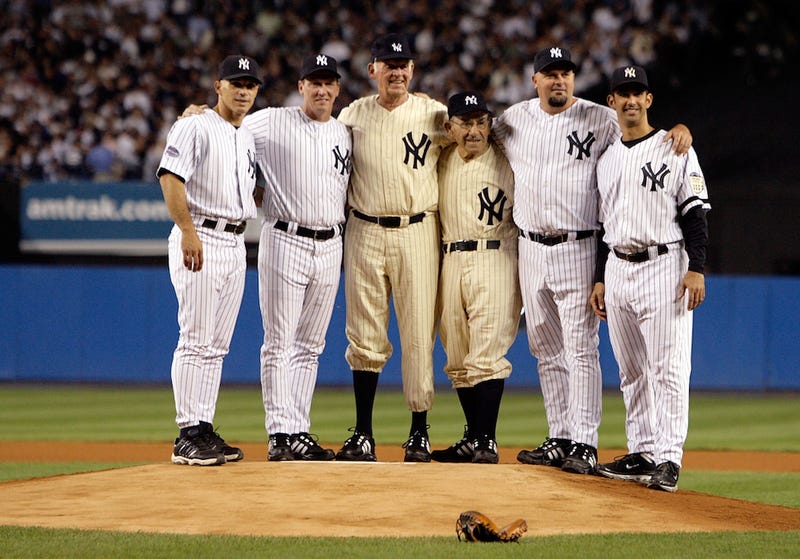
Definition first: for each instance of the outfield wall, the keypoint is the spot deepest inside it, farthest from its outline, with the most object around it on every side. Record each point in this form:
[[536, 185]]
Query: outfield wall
[[118, 324]]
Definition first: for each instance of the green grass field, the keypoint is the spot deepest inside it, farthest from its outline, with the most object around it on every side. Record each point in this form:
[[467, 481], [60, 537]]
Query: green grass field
[[87, 413]]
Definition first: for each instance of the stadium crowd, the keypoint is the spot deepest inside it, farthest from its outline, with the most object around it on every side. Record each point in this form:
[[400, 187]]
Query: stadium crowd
[[88, 90]]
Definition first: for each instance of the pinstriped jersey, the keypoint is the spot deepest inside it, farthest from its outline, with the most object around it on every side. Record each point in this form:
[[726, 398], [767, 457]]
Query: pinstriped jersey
[[306, 165], [395, 154], [644, 189], [554, 158], [217, 162], [476, 197]]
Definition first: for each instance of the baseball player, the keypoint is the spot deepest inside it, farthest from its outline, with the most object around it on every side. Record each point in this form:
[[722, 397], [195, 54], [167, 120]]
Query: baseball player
[[304, 155], [479, 283], [653, 206], [392, 242], [553, 144], [208, 176]]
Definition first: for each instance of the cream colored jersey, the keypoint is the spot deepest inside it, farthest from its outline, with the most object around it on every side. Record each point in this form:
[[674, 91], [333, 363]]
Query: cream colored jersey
[[476, 197], [479, 284], [395, 154]]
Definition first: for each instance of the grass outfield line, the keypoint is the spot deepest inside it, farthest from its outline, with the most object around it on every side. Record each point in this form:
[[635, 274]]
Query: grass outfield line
[[718, 421], [131, 413], [76, 544]]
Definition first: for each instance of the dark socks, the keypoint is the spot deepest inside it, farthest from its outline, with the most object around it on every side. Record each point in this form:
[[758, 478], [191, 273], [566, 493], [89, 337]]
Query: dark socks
[[419, 422], [466, 396], [365, 384], [487, 407]]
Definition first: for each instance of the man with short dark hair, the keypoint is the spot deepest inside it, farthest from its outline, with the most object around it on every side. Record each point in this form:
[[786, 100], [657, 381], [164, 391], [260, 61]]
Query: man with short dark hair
[[653, 206]]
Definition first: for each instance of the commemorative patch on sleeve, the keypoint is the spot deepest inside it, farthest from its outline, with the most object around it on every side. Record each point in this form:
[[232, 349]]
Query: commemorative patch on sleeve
[[698, 183], [172, 151]]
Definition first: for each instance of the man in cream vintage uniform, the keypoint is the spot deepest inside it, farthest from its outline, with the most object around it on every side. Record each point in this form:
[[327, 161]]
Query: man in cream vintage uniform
[[479, 285], [392, 242]]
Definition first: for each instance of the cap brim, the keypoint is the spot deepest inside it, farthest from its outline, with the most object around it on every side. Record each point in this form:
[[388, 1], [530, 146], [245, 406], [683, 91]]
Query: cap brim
[[569, 65], [237, 76], [321, 72]]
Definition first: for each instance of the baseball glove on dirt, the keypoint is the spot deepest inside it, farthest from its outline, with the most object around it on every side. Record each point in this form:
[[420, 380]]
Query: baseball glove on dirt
[[477, 527]]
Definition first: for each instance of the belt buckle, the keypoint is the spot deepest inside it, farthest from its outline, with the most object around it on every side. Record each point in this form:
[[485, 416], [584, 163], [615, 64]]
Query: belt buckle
[[392, 221]]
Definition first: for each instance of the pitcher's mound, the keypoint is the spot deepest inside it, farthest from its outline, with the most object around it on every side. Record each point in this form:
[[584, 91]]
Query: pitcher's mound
[[367, 499]]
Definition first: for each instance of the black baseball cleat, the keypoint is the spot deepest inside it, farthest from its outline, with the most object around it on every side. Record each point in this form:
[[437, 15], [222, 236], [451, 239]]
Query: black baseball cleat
[[232, 453], [582, 459], [305, 447], [631, 467], [279, 449], [485, 451], [193, 449], [550, 453], [665, 478], [418, 449], [358, 448], [460, 451]]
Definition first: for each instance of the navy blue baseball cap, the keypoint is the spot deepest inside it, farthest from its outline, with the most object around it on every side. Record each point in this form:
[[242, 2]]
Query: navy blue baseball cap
[[239, 66], [629, 75], [321, 63], [551, 57], [465, 103], [391, 46]]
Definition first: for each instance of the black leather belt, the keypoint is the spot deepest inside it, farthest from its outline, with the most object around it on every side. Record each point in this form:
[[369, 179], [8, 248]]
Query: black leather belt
[[237, 228], [316, 234], [468, 246], [643, 256], [391, 221], [551, 240]]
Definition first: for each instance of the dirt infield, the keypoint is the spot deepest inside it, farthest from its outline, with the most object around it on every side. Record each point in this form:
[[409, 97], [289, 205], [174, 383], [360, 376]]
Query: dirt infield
[[388, 498]]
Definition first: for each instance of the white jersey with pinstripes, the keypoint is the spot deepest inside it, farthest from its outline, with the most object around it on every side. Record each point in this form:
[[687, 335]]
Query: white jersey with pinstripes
[[554, 158], [306, 167], [217, 162], [395, 154], [644, 190], [629, 178], [479, 289]]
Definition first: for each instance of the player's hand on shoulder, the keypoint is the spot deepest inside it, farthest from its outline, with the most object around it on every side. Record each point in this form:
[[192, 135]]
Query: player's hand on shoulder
[[193, 110], [694, 287], [681, 138], [597, 300]]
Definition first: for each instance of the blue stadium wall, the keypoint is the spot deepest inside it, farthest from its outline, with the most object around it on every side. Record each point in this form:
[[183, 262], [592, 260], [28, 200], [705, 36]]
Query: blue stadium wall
[[118, 325]]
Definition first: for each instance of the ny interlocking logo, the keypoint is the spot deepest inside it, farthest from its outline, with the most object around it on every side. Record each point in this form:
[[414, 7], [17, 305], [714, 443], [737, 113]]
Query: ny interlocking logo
[[251, 159], [244, 64], [492, 208], [656, 178], [416, 150], [341, 160], [470, 100], [397, 47], [583, 147], [322, 60]]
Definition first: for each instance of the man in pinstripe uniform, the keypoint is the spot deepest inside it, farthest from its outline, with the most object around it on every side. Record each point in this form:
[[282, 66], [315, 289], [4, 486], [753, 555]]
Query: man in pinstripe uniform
[[392, 242], [479, 285], [653, 206], [304, 155], [553, 144], [208, 177]]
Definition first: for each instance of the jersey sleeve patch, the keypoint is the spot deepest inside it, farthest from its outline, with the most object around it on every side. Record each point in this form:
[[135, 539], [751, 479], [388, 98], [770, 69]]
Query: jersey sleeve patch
[[172, 151], [698, 183]]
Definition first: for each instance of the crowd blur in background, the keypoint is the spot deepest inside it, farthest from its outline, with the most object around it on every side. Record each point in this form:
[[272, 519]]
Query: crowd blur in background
[[88, 90]]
